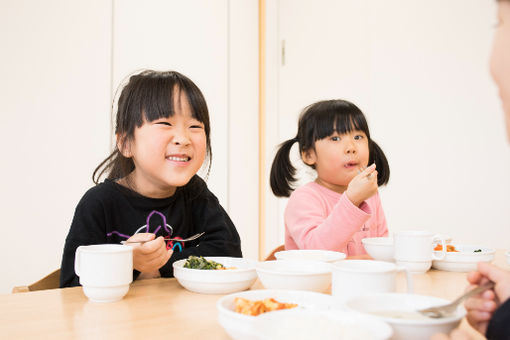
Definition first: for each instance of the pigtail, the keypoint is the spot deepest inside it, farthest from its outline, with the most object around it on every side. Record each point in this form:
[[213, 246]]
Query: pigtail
[[282, 170], [381, 163]]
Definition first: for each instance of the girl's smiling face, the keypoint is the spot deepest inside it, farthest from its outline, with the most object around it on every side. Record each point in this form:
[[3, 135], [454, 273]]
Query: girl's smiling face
[[500, 59], [338, 158], [167, 152]]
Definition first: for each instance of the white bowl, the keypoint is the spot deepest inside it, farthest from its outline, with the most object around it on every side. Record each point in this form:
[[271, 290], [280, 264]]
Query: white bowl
[[243, 327], [419, 328], [217, 281], [380, 248], [297, 324], [310, 254], [465, 259], [292, 274]]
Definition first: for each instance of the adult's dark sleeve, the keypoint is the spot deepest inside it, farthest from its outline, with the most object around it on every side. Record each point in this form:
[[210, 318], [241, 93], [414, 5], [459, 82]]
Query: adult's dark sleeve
[[220, 238], [499, 325]]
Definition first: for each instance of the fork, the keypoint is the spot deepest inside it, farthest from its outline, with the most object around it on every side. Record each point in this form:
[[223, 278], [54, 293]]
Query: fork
[[447, 310], [191, 238]]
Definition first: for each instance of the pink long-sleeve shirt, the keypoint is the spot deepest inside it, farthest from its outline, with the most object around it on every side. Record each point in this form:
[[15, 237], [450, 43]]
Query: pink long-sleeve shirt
[[319, 218]]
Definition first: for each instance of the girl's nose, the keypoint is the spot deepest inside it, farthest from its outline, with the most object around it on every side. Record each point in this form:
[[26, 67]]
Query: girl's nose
[[350, 147], [181, 137]]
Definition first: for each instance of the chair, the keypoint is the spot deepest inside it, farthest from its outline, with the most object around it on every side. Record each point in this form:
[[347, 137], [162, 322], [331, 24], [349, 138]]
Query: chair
[[271, 255], [50, 281]]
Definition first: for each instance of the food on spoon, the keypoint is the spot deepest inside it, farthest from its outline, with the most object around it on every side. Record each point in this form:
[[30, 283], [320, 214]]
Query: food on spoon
[[254, 308], [449, 248], [198, 262], [477, 251]]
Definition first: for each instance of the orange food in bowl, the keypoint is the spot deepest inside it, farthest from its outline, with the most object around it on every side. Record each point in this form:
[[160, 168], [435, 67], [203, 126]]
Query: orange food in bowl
[[254, 308], [449, 248]]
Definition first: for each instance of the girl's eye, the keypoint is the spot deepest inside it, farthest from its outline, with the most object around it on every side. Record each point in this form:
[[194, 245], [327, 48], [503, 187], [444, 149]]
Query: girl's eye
[[335, 138], [358, 137], [196, 127], [164, 123]]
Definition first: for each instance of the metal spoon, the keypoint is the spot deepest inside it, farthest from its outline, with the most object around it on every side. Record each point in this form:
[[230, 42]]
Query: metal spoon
[[191, 238], [447, 310]]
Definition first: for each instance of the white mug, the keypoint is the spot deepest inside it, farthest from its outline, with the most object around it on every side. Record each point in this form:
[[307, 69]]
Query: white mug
[[414, 249], [357, 277], [105, 271]]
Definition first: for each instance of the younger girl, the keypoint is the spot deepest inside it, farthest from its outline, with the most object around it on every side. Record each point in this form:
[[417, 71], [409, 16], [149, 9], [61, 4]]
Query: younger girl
[[151, 190], [342, 206]]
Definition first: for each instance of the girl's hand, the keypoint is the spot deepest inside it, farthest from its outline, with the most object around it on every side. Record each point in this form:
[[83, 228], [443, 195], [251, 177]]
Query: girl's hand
[[149, 256], [362, 186]]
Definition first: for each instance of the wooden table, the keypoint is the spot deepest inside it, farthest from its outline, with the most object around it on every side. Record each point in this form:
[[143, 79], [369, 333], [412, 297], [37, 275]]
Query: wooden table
[[156, 309]]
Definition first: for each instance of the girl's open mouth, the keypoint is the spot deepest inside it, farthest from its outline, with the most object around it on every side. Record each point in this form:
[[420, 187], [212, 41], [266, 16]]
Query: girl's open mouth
[[179, 158]]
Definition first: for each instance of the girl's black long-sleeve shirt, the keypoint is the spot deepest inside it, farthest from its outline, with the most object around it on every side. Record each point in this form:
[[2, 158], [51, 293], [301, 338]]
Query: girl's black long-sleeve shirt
[[110, 213]]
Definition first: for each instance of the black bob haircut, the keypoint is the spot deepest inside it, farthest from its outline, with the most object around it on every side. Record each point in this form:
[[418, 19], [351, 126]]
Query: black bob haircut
[[316, 122]]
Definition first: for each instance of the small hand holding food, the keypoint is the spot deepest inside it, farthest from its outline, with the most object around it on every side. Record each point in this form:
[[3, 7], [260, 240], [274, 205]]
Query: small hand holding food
[[148, 257], [481, 307], [362, 186]]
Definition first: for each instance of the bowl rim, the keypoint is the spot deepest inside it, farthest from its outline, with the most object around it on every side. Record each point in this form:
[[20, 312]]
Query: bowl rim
[[370, 241], [377, 266], [335, 255], [485, 250], [267, 293], [327, 268], [461, 312], [180, 263]]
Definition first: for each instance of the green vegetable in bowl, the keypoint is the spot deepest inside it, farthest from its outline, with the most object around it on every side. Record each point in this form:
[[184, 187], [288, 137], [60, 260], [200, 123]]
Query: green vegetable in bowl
[[477, 251], [198, 262]]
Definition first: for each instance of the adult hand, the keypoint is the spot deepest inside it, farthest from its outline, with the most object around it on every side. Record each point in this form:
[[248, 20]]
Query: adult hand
[[362, 186], [480, 308], [148, 257], [456, 334]]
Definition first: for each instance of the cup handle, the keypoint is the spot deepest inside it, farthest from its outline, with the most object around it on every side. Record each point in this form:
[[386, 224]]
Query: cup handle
[[77, 261], [443, 244], [409, 278]]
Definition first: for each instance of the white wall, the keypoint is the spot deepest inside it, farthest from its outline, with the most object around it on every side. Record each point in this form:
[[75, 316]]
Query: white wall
[[419, 70], [60, 63], [54, 95]]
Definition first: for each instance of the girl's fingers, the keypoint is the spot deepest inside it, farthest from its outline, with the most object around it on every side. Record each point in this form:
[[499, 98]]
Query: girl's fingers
[[152, 246], [368, 170], [142, 237]]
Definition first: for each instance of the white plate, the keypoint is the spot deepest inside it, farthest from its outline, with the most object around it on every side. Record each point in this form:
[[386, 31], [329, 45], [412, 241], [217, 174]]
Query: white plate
[[217, 281], [465, 259], [240, 326]]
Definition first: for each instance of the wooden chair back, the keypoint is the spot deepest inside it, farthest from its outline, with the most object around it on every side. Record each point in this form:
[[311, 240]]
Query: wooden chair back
[[271, 255], [50, 281]]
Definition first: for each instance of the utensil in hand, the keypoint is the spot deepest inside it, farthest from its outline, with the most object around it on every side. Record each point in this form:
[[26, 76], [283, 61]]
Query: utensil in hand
[[191, 238], [447, 310]]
